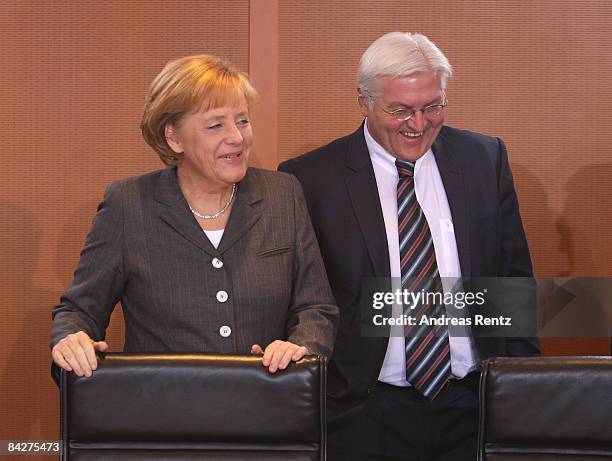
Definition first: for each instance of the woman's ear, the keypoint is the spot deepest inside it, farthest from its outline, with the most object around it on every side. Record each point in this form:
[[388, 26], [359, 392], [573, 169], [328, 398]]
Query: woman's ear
[[173, 139]]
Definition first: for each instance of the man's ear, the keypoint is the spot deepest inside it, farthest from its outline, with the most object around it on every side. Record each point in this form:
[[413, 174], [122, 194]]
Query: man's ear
[[173, 139], [363, 104]]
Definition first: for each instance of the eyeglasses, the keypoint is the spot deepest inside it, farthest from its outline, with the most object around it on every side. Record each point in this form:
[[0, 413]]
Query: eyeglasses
[[405, 114]]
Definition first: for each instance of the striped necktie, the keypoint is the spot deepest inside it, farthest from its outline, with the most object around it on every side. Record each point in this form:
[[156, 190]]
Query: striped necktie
[[427, 347]]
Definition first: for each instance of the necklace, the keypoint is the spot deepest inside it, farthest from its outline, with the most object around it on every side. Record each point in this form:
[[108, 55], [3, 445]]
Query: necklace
[[218, 213]]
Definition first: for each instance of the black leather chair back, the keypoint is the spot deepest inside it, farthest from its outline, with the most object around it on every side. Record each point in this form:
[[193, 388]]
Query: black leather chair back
[[545, 409], [183, 407]]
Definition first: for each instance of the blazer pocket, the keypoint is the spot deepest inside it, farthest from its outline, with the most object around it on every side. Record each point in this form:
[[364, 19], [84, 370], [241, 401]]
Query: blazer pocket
[[275, 251]]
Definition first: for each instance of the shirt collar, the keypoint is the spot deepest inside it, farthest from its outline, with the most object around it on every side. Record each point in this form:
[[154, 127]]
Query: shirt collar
[[384, 159]]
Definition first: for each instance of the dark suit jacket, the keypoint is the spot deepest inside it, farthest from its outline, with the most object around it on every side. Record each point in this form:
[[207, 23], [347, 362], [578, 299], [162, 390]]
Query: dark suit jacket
[[146, 250], [340, 189]]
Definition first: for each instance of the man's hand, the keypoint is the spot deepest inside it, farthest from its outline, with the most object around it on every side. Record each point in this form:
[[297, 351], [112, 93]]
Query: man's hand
[[77, 352], [279, 354]]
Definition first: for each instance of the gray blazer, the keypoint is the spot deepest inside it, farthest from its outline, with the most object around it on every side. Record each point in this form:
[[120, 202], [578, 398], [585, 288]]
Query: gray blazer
[[266, 280]]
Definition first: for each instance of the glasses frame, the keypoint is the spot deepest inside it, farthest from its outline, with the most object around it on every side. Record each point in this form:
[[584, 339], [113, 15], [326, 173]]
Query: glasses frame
[[394, 113]]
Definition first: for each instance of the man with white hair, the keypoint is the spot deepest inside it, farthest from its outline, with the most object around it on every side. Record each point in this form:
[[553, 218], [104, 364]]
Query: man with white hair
[[406, 198]]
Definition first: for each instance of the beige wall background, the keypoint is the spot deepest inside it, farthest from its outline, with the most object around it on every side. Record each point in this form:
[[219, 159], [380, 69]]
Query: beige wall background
[[73, 77]]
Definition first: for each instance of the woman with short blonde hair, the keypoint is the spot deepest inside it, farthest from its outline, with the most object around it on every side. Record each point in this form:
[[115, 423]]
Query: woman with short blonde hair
[[207, 254]]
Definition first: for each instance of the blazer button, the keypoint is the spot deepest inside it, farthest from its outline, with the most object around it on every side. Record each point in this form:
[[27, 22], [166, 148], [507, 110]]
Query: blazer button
[[225, 331], [217, 263], [222, 296]]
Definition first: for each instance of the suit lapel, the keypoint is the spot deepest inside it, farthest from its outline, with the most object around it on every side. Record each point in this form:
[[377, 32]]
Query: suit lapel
[[361, 185], [363, 192], [245, 212], [175, 212], [453, 179]]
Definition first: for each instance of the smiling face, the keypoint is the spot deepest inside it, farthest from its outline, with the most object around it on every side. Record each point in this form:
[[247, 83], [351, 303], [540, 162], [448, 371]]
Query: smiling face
[[410, 139], [215, 145]]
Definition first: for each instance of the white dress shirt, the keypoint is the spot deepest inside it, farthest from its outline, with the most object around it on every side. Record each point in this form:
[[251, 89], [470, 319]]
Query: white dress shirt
[[214, 236], [432, 198]]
